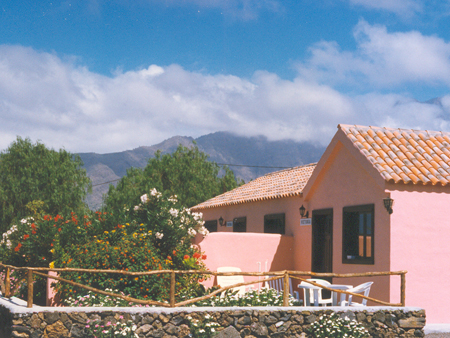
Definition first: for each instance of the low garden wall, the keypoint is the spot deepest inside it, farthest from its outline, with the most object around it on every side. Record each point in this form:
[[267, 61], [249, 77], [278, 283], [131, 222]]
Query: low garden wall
[[258, 322]]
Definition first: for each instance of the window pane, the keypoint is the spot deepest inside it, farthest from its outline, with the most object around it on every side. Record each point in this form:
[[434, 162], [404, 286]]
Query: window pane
[[211, 225], [240, 224], [274, 224], [369, 224], [357, 231]]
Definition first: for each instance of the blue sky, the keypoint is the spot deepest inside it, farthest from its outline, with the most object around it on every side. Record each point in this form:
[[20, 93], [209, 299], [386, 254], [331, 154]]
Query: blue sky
[[110, 75]]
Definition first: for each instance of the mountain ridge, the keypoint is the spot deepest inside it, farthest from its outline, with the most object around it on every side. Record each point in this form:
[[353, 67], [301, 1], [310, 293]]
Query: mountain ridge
[[248, 157]]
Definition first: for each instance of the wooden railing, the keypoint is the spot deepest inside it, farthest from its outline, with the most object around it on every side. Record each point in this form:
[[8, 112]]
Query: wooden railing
[[272, 275]]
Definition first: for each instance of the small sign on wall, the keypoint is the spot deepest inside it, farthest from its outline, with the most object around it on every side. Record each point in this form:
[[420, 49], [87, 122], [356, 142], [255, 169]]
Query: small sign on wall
[[229, 224], [305, 221]]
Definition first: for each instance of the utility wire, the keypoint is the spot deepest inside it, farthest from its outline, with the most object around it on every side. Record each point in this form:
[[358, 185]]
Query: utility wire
[[230, 165]]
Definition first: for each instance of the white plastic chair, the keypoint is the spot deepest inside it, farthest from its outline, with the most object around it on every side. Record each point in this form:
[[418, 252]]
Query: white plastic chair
[[306, 292], [278, 285], [361, 289], [230, 280]]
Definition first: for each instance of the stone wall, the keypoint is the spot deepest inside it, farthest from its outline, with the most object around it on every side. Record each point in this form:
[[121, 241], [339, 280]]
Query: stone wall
[[234, 322]]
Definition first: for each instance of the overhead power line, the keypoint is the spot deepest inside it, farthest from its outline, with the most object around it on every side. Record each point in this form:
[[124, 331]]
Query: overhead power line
[[227, 164]]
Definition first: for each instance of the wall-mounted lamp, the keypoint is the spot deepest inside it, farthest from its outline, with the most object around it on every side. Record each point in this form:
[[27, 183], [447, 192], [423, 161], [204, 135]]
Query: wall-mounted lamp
[[221, 221], [388, 204], [303, 212]]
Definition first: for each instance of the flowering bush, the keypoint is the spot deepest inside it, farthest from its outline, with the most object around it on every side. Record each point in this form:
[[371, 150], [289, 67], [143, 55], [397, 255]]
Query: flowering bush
[[154, 235], [263, 297], [336, 327], [110, 329], [33, 241], [94, 300], [205, 327]]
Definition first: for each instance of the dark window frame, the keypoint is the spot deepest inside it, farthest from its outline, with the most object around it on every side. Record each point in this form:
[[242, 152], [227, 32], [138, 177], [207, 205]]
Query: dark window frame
[[270, 217], [238, 220], [211, 223], [353, 217]]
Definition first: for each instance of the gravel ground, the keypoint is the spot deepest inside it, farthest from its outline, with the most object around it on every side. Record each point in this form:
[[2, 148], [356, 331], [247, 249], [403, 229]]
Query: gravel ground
[[438, 335]]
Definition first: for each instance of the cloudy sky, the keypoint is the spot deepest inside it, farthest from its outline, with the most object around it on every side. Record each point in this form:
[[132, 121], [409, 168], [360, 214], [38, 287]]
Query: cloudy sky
[[111, 75]]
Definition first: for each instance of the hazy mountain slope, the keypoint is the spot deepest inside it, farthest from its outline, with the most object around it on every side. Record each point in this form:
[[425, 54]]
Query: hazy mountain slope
[[222, 147]]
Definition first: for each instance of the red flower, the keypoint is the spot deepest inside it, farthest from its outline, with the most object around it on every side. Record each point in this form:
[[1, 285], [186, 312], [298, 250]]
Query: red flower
[[59, 229], [26, 236], [204, 257], [33, 232], [18, 247], [186, 257], [57, 218], [33, 226], [196, 255], [47, 218]]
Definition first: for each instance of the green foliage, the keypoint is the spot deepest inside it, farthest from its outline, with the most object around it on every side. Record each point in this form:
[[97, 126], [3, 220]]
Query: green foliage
[[92, 299], [203, 327], [263, 297], [154, 235], [333, 326], [31, 172], [33, 242], [186, 173]]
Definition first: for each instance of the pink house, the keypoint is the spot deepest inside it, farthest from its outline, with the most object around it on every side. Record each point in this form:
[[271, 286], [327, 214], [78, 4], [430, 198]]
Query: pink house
[[349, 229]]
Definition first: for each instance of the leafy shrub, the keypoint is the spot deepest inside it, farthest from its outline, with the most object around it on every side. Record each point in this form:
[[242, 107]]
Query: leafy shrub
[[336, 327], [154, 235], [263, 297], [204, 327], [32, 242]]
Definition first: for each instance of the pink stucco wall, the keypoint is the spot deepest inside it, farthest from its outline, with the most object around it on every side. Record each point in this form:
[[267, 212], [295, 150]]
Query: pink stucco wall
[[343, 182], [251, 252], [420, 244]]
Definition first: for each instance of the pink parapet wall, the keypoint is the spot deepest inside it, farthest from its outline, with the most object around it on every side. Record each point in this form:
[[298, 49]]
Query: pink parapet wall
[[251, 252]]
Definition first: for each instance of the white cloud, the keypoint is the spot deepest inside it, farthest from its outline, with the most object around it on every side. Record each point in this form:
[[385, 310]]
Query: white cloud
[[381, 59], [64, 105], [401, 7]]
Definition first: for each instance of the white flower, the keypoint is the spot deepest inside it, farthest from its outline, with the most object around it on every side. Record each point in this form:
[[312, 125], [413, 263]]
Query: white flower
[[159, 235], [144, 198], [203, 231], [136, 208], [173, 212], [153, 192], [23, 221], [197, 215], [192, 232]]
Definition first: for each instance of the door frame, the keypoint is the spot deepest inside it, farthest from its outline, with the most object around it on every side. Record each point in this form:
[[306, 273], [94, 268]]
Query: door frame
[[322, 212]]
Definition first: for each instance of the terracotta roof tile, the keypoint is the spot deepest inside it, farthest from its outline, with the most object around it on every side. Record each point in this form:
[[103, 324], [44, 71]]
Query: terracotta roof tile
[[404, 155], [284, 183]]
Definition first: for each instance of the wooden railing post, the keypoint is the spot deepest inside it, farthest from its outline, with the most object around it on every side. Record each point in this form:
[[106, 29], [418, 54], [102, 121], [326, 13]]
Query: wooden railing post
[[8, 283], [30, 288], [172, 288], [286, 289], [403, 289]]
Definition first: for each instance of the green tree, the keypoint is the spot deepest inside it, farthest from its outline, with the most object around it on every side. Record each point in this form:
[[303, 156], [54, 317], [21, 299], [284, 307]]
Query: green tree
[[186, 173], [32, 172]]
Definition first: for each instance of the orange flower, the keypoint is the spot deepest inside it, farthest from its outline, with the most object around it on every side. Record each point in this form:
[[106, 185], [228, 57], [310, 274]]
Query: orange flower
[[26, 236], [196, 255], [33, 226], [186, 257], [204, 257], [18, 247]]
